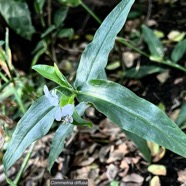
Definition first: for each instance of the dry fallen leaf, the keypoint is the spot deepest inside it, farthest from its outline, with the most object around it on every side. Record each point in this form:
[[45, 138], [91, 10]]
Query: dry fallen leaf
[[157, 169], [112, 171], [160, 154], [135, 178], [155, 181], [118, 154], [176, 36], [124, 164], [129, 57]]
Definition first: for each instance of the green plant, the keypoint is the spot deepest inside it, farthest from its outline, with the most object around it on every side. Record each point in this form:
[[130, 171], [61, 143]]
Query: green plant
[[18, 17], [137, 117], [156, 56]]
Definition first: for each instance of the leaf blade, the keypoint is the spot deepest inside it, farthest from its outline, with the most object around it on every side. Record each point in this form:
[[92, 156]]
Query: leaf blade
[[33, 125], [154, 44], [94, 57], [17, 16], [134, 114], [178, 51], [57, 146], [53, 74]]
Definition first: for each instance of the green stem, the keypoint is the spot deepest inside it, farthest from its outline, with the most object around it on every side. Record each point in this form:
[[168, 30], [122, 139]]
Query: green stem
[[24, 164], [90, 12], [171, 64], [7, 61], [19, 101], [3, 77], [130, 45], [167, 63]]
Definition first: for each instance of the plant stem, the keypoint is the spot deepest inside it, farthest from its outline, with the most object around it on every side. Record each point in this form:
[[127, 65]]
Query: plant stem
[[3, 77], [24, 164], [167, 63], [7, 58], [19, 101], [130, 45], [90, 12]]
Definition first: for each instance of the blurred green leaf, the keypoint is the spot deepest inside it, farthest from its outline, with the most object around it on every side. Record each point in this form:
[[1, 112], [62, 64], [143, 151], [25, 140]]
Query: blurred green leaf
[[70, 2], [113, 65], [142, 71], [39, 4], [134, 14], [181, 120], [154, 44], [17, 16], [60, 15], [114, 183], [65, 33], [178, 51], [33, 125], [95, 56], [133, 114], [48, 31], [1, 42]]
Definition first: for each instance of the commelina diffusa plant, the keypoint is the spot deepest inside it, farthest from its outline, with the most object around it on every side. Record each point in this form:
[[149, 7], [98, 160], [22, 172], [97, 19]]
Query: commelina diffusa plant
[[138, 118]]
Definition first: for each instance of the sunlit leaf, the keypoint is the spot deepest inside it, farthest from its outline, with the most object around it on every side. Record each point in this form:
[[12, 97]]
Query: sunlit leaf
[[176, 36], [157, 169]]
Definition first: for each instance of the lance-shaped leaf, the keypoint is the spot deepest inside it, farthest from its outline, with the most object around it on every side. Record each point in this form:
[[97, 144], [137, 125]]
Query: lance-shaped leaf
[[17, 16], [140, 143], [178, 51], [33, 125], [94, 58], [53, 74], [57, 146], [153, 42], [134, 114], [62, 133], [80, 121]]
